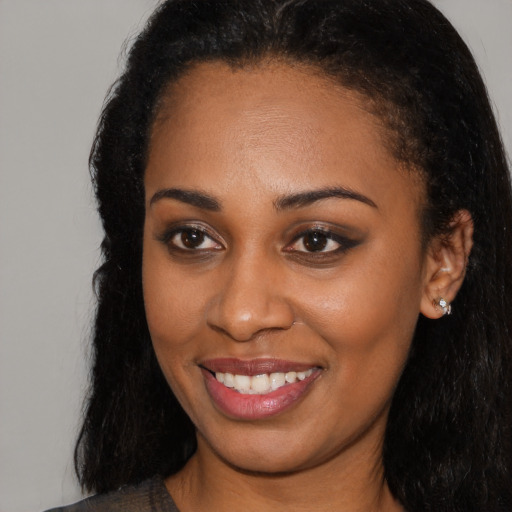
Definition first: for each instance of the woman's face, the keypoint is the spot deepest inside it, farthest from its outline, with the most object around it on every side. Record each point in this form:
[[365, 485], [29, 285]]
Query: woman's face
[[282, 269]]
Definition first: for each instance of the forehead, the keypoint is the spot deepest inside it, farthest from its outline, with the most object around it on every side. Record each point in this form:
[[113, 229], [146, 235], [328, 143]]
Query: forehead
[[273, 126]]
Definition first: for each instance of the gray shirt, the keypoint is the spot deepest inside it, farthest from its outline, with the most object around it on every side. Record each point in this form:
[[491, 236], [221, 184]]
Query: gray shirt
[[149, 496]]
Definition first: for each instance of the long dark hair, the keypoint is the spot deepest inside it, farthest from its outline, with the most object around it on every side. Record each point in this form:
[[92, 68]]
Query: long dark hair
[[448, 445]]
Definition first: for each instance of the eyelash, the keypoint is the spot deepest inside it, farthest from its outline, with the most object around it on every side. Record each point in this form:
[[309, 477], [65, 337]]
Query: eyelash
[[168, 236], [318, 233], [344, 243]]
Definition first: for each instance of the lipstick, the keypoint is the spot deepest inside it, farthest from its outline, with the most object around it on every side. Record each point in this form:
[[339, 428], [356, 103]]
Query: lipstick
[[258, 388]]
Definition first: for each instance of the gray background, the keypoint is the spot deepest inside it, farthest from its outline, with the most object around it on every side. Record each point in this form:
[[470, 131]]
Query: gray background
[[57, 59]]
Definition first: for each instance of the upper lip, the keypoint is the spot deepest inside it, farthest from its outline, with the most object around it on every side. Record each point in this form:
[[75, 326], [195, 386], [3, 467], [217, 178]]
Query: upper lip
[[254, 366]]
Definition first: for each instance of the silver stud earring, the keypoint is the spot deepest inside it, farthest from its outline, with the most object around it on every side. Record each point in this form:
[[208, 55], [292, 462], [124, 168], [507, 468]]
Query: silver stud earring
[[443, 305]]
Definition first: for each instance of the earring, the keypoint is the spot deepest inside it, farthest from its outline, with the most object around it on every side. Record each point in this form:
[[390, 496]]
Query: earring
[[442, 304]]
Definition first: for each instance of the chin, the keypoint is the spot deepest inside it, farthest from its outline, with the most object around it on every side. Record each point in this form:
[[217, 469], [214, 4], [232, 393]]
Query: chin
[[267, 453]]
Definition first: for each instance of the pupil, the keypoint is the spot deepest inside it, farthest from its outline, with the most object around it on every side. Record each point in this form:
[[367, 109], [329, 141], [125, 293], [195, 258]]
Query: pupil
[[192, 238], [315, 241]]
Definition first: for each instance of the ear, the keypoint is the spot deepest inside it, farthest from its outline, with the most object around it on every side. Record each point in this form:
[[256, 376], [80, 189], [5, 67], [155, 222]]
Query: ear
[[445, 265]]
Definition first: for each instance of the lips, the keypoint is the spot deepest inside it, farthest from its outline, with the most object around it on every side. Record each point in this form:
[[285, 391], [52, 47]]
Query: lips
[[257, 388], [253, 366]]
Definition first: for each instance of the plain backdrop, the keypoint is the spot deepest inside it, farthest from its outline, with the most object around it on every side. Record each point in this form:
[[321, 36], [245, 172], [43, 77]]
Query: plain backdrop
[[57, 60]]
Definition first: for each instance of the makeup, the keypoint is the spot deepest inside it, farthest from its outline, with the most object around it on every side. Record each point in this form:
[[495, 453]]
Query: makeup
[[259, 388]]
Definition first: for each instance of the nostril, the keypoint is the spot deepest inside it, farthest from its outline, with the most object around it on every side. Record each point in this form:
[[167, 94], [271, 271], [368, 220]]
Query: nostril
[[245, 308], [248, 335]]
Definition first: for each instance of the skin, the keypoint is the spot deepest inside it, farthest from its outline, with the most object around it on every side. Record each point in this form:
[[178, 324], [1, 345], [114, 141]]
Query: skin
[[252, 289]]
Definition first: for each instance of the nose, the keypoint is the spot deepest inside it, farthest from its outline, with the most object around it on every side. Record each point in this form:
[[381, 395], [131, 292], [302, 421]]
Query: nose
[[250, 300]]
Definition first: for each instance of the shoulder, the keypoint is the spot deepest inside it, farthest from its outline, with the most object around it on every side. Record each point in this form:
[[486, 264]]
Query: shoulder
[[149, 496]]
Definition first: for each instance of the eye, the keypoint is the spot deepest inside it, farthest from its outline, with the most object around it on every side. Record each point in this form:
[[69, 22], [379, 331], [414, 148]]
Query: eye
[[320, 242], [190, 239], [316, 241]]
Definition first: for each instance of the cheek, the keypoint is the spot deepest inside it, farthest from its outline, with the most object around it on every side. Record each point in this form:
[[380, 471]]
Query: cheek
[[172, 303], [172, 311], [368, 315], [170, 316]]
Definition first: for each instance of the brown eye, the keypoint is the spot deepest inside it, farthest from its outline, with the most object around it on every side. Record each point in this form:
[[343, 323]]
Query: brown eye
[[192, 238], [315, 241], [319, 241]]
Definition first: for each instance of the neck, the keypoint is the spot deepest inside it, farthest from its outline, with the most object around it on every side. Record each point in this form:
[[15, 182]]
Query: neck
[[352, 481]]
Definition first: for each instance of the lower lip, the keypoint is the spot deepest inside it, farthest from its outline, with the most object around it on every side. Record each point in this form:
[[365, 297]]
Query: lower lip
[[254, 407]]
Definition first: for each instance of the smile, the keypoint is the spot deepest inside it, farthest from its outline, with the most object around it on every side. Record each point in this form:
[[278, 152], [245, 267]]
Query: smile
[[256, 389], [263, 383]]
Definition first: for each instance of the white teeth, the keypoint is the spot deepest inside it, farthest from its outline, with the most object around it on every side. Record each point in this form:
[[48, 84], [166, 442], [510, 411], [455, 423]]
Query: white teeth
[[242, 382], [290, 377], [277, 380], [228, 380], [260, 384]]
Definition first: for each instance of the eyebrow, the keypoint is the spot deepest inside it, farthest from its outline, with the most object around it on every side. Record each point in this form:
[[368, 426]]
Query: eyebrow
[[302, 199], [285, 202], [192, 197]]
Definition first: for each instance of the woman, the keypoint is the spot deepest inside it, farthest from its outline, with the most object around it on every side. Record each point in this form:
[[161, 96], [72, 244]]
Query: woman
[[293, 194]]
